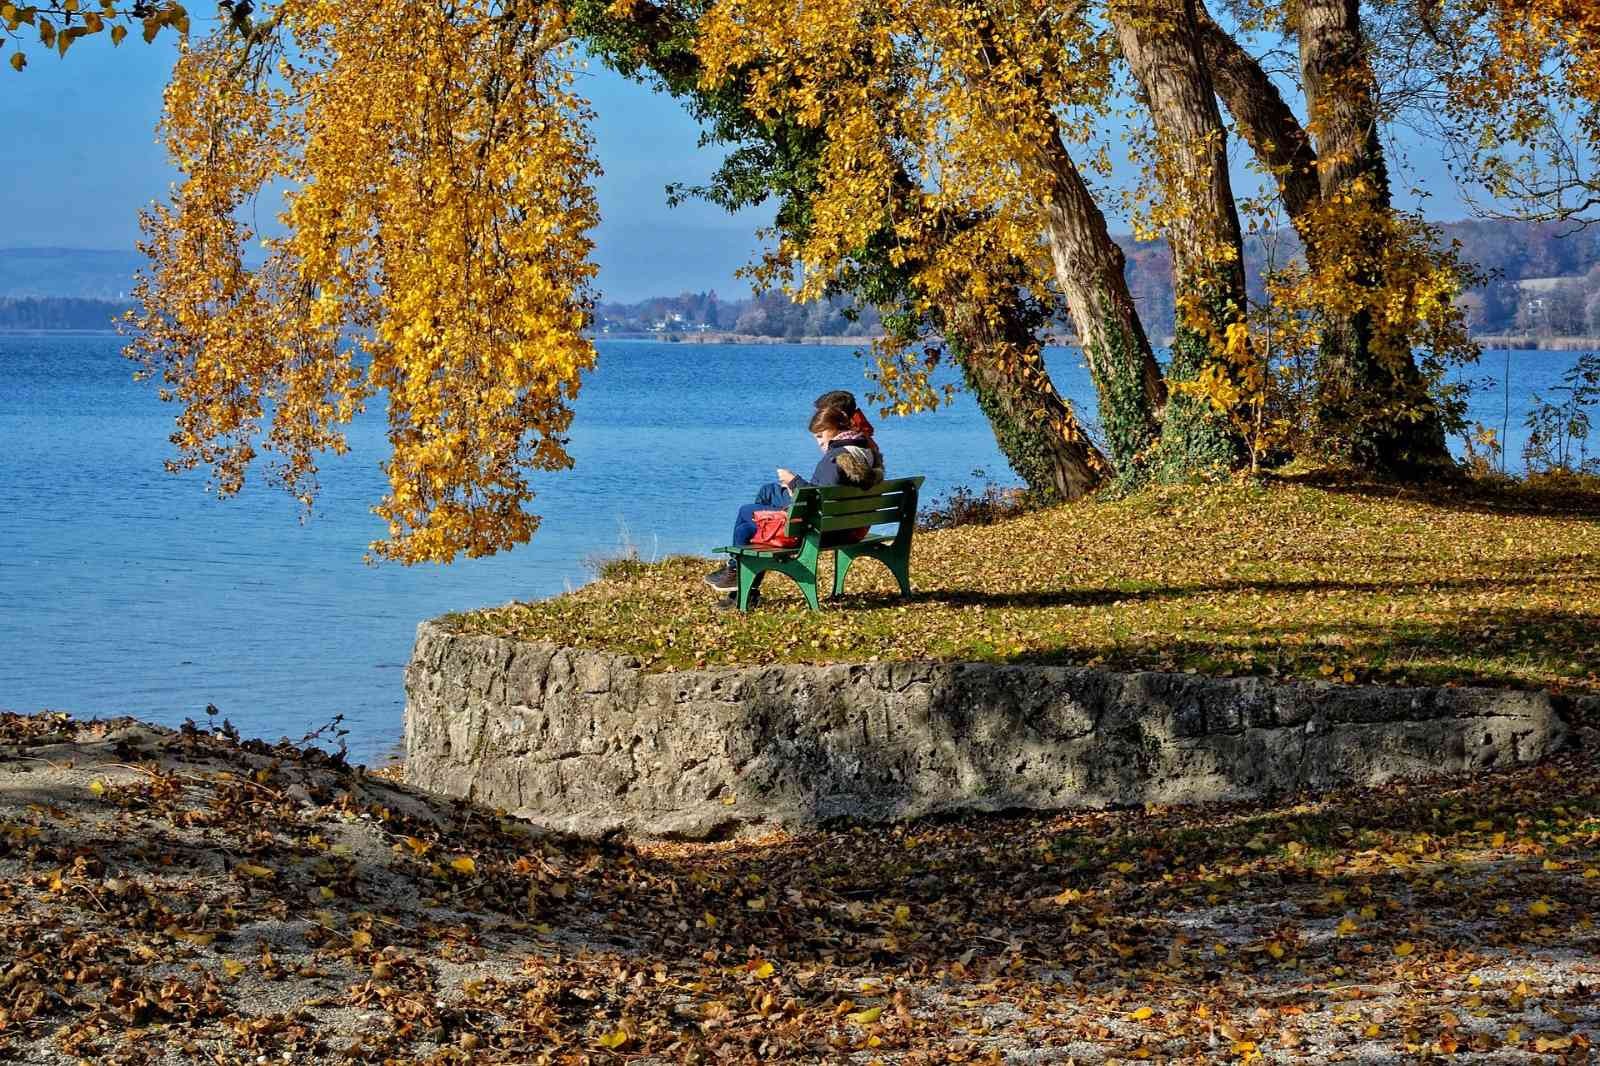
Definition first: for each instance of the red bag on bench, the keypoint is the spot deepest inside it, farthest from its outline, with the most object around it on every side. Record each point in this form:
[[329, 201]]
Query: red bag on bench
[[769, 530]]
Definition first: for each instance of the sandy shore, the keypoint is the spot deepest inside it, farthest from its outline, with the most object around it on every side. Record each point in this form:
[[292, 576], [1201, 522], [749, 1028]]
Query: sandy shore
[[185, 897]]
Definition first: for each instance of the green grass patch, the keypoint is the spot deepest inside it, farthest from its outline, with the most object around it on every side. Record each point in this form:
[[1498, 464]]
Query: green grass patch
[[1289, 578]]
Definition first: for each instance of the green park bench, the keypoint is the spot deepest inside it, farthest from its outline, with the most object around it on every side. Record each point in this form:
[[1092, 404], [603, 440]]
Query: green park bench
[[820, 517]]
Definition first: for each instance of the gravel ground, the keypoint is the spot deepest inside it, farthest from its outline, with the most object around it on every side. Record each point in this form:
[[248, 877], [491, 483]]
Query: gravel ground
[[178, 897]]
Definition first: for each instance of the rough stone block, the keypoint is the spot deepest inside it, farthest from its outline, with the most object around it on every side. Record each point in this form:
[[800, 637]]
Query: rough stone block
[[586, 742]]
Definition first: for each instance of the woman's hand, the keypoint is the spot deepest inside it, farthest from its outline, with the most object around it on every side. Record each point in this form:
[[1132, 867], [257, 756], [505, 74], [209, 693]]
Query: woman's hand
[[785, 476]]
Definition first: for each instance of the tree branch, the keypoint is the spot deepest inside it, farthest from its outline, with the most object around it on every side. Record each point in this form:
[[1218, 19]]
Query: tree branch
[[1263, 119]]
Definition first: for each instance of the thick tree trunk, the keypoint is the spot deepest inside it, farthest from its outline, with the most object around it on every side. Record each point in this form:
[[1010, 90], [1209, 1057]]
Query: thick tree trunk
[[1040, 436], [1161, 42], [1090, 272], [1372, 413], [1089, 268]]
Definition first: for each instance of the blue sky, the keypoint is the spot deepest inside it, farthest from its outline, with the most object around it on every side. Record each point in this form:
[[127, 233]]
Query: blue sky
[[82, 160]]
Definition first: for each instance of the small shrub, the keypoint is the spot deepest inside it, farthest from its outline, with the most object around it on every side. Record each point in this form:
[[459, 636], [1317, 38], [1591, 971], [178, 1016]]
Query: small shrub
[[616, 568], [623, 561], [1482, 452], [963, 506], [1558, 431]]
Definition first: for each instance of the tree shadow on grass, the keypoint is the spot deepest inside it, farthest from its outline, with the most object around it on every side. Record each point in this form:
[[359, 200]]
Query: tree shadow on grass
[[1496, 647], [1576, 499], [1532, 574], [1478, 644]]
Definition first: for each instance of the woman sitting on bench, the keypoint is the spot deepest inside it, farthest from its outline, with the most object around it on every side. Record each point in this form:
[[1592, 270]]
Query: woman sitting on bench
[[849, 457]]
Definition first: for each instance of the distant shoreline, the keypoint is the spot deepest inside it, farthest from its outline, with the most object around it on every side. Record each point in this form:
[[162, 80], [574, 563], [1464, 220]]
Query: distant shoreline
[[1524, 342], [1489, 342], [713, 336]]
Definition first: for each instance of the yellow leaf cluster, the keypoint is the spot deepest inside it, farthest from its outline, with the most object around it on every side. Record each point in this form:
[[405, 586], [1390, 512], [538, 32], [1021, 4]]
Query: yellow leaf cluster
[[434, 251], [60, 24], [937, 126]]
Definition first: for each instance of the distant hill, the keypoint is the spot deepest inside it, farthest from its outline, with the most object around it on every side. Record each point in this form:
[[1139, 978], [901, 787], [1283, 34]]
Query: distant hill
[[1543, 278], [58, 312], [83, 273]]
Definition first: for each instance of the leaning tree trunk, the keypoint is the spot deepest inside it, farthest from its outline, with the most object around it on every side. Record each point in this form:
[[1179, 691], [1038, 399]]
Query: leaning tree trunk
[[1090, 271], [1372, 413], [1161, 43], [1089, 268], [1264, 121], [1002, 360]]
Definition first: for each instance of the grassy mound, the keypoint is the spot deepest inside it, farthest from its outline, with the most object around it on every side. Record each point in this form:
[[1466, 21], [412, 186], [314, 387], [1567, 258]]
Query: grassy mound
[[1351, 583]]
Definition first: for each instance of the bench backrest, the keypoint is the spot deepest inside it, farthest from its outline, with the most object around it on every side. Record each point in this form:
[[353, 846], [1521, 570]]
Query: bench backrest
[[818, 510]]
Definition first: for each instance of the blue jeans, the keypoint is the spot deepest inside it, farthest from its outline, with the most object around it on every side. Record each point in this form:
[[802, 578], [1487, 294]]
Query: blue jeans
[[771, 497]]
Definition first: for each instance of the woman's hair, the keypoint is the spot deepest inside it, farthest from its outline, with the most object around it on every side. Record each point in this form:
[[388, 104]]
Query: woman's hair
[[843, 399], [856, 463], [830, 419]]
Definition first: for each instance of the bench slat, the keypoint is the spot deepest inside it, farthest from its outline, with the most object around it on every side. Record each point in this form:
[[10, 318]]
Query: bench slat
[[866, 503], [895, 504], [846, 492], [756, 549], [855, 521]]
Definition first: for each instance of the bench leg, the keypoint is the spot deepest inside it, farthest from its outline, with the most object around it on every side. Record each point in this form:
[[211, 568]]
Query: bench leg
[[747, 580], [750, 576], [900, 566], [808, 587], [898, 562], [841, 567]]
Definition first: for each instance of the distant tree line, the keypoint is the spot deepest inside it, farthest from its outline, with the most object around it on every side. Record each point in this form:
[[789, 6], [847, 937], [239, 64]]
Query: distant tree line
[[771, 314], [1562, 301], [58, 312]]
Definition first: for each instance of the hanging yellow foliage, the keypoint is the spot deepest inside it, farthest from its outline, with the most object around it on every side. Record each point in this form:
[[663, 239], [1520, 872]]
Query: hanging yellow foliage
[[436, 172]]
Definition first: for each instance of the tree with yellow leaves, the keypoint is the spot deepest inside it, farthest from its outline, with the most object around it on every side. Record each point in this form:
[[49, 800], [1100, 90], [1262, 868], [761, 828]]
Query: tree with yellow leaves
[[58, 25], [945, 161], [1373, 280], [944, 141], [993, 107], [991, 330], [435, 254]]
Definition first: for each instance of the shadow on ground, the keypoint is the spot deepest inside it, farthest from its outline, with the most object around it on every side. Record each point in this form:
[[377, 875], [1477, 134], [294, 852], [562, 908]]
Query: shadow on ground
[[176, 899]]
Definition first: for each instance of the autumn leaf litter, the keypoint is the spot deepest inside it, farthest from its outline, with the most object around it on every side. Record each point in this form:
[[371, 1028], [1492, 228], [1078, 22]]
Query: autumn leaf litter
[[186, 897]]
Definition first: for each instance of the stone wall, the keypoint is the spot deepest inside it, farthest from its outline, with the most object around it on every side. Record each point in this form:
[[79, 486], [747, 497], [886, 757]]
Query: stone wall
[[585, 741]]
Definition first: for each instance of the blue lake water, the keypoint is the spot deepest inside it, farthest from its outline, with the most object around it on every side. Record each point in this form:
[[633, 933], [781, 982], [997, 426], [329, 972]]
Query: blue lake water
[[125, 590]]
